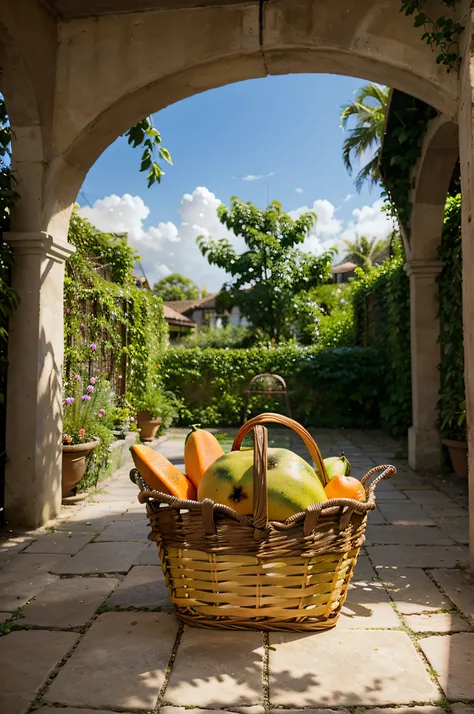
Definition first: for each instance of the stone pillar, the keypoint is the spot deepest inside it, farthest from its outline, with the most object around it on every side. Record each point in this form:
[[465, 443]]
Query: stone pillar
[[424, 446], [34, 399], [466, 153]]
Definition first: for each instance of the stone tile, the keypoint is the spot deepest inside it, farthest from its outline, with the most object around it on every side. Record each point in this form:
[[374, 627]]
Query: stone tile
[[257, 709], [462, 708], [368, 591], [59, 542], [305, 670], [452, 658], [459, 587], [102, 558], [404, 710], [72, 710], [406, 535], [438, 622], [356, 615], [26, 660], [405, 514], [215, 668], [395, 495], [455, 528], [149, 556], [126, 530], [70, 602], [449, 510], [417, 556], [4, 616], [143, 586], [429, 497], [413, 591], [24, 577], [364, 570], [376, 518], [119, 664]]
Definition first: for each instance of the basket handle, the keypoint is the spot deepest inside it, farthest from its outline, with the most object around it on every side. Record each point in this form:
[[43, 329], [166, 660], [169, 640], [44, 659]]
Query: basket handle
[[260, 491], [297, 428]]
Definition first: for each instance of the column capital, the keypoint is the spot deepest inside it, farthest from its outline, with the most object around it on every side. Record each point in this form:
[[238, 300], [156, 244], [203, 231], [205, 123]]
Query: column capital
[[424, 268], [39, 243]]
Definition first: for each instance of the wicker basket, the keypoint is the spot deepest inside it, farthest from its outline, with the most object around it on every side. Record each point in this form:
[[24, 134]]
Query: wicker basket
[[229, 571]]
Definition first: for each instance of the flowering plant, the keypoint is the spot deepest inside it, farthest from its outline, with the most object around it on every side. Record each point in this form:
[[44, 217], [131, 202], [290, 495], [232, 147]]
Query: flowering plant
[[86, 407]]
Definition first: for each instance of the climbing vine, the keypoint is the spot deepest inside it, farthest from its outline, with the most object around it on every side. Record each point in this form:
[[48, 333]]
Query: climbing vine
[[441, 34]]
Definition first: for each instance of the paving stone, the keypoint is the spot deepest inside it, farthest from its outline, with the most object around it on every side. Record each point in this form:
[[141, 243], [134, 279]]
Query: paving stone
[[102, 558], [128, 530], [71, 710], [306, 670], [448, 510], [459, 587], [405, 710], [405, 514], [24, 576], [438, 622], [455, 528], [406, 535], [256, 709], [376, 518], [356, 615], [59, 542], [215, 668], [418, 556], [413, 591], [4, 616], [26, 660], [430, 498], [364, 570], [119, 664], [149, 556], [452, 657], [462, 708], [70, 602], [395, 495], [143, 586]]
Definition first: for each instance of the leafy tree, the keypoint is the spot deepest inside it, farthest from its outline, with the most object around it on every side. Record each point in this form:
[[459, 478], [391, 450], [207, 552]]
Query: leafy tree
[[176, 287], [367, 134], [363, 251], [272, 271]]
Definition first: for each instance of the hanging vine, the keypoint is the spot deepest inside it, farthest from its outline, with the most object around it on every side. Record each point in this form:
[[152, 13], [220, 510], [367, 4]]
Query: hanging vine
[[441, 34]]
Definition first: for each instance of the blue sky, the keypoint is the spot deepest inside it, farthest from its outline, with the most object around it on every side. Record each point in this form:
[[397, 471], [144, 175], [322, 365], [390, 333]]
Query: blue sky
[[286, 126]]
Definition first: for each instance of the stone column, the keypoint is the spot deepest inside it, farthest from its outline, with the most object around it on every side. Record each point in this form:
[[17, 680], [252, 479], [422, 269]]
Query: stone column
[[466, 153], [424, 446], [34, 399]]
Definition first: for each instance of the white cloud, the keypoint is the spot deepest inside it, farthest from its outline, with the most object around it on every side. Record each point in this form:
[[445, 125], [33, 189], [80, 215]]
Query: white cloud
[[169, 247], [257, 177], [348, 197], [299, 190]]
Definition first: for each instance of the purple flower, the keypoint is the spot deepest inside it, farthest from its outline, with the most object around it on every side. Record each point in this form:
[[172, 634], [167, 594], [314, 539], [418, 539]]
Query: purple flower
[[68, 311], [92, 380], [69, 400], [77, 377], [99, 415], [83, 327], [93, 347], [89, 388], [101, 412], [86, 398]]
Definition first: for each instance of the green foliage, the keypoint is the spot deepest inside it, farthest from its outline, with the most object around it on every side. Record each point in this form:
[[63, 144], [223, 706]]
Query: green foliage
[[221, 337], [367, 134], [364, 251], [441, 34], [324, 316], [145, 135], [328, 388], [381, 300], [158, 403], [176, 287], [452, 404], [272, 271]]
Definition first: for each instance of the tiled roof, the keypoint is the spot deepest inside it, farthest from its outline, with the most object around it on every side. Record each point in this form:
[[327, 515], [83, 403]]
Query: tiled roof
[[175, 318], [343, 268], [183, 306]]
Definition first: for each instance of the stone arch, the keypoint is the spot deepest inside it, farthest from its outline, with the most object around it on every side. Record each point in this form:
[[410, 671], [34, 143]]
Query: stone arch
[[115, 69]]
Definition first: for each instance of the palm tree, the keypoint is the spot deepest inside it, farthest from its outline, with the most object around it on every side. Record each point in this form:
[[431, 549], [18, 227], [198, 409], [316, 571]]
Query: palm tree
[[367, 134], [363, 251]]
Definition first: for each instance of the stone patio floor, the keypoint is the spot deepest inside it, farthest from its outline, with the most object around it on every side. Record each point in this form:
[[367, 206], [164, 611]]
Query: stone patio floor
[[88, 627]]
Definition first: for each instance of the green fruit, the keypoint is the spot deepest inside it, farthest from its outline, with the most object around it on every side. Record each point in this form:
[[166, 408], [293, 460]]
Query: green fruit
[[292, 483], [337, 466]]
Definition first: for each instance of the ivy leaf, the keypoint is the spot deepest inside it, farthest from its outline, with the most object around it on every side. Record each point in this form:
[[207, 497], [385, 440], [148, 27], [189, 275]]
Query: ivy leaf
[[165, 154], [420, 20]]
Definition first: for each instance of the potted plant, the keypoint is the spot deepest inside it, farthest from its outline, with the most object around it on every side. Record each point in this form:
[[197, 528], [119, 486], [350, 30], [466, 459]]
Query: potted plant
[[156, 408], [454, 426], [85, 410]]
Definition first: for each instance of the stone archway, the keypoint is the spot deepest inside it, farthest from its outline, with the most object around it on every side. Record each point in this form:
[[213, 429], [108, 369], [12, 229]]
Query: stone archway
[[106, 67]]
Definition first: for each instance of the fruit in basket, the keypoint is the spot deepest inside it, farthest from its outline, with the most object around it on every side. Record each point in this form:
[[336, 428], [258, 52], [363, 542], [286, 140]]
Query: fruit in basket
[[160, 474], [345, 487], [292, 483], [201, 449], [337, 466]]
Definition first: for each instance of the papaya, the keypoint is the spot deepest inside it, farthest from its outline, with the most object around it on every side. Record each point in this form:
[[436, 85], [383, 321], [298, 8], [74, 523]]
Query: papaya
[[345, 487], [201, 449], [292, 483], [160, 474]]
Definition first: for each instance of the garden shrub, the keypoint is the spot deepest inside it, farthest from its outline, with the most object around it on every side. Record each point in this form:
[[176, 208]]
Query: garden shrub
[[327, 388]]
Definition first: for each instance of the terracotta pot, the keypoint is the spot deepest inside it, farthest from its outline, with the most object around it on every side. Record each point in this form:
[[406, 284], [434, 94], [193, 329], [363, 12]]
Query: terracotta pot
[[74, 464], [148, 426], [458, 453]]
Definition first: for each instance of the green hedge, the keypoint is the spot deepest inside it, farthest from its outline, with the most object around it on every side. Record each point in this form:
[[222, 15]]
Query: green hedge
[[328, 388]]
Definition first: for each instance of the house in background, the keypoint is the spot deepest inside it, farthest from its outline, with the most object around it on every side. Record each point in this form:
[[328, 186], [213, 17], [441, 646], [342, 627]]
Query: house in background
[[341, 273], [178, 325], [204, 312]]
